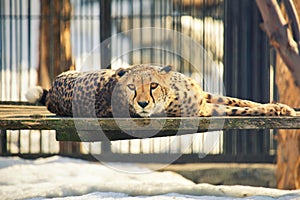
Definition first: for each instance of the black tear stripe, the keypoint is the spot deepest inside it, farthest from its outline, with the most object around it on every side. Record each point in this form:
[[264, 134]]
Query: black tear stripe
[[152, 96], [134, 96]]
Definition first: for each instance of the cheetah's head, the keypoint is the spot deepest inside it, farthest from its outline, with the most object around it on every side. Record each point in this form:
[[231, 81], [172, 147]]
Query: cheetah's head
[[145, 88]]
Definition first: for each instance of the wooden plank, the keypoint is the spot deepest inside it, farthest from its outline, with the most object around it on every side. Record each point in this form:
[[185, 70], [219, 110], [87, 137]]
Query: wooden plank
[[90, 129], [23, 111]]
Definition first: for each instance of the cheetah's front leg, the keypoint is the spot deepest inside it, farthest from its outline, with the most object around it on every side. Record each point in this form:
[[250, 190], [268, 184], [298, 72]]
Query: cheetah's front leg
[[269, 109]]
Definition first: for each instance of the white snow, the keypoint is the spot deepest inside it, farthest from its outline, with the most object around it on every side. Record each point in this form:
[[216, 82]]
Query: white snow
[[64, 178]]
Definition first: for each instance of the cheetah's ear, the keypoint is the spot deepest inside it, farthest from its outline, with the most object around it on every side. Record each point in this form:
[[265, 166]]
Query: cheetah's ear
[[121, 71], [167, 69]]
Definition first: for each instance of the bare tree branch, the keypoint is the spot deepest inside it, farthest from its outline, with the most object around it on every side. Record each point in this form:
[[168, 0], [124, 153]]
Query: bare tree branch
[[293, 18], [280, 36]]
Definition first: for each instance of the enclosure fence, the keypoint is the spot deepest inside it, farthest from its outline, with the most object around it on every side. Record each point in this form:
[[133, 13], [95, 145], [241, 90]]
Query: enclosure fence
[[237, 62]]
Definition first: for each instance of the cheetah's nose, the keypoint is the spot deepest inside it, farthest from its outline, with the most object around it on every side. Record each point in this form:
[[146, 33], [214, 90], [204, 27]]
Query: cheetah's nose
[[143, 104]]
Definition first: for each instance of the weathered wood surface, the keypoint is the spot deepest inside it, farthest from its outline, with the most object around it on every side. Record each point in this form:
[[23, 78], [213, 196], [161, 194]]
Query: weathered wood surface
[[21, 117]]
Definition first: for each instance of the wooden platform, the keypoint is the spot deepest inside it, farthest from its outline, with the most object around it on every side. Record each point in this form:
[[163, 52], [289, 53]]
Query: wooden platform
[[23, 117]]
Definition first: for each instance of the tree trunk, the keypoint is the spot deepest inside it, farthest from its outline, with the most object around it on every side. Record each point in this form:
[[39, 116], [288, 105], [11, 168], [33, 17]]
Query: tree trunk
[[288, 150], [284, 35], [54, 42], [55, 49]]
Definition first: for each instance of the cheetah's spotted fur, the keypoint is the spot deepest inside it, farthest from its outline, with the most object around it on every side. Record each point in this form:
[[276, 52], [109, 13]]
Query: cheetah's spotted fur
[[145, 91]]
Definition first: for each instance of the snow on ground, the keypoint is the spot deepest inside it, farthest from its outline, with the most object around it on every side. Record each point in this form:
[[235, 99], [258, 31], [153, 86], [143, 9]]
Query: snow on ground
[[72, 179]]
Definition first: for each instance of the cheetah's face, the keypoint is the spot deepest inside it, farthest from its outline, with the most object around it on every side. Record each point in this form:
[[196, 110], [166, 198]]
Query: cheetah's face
[[146, 98], [146, 91]]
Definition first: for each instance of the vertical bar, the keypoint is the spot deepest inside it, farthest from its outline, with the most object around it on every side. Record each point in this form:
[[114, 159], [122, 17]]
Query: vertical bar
[[10, 49], [191, 35], [29, 41], [60, 19], [229, 47], [105, 32], [163, 11], [9, 139], [203, 71], [152, 22], [168, 7], [181, 63], [50, 19], [173, 12], [3, 138], [78, 23], [244, 77], [41, 142], [4, 66], [82, 25], [255, 61], [121, 20], [130, 27], [243, 47], [20, 53], [1, 47], [91, 22], [141, 34], [19, 141], [256, 144], [29, 142]]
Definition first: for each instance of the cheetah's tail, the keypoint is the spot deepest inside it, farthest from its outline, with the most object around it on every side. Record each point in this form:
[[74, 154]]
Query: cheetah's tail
[[36, 95]]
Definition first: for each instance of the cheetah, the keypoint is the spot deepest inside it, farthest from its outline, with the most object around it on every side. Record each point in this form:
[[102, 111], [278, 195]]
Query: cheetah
[[142, 91]]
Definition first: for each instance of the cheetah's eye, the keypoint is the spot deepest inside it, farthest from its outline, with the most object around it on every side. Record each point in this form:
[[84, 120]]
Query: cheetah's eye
[[131, 86], [153, 86]]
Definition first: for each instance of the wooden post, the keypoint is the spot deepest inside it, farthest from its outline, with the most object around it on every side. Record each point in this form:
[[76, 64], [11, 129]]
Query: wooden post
[[288, 150], [55, 41], [55, 49], [284, 37]]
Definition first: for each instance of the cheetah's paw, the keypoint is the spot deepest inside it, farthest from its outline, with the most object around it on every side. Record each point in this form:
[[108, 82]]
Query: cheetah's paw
[[286, 110], [277, 109]]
